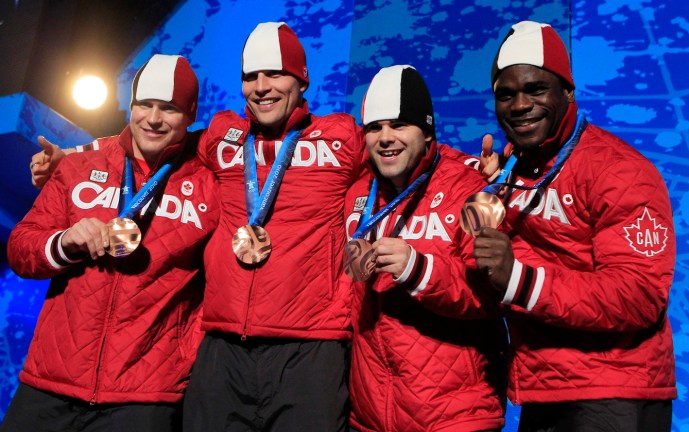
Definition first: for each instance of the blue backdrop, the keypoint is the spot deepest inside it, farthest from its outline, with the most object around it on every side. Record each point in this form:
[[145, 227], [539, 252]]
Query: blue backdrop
[[629, 60]]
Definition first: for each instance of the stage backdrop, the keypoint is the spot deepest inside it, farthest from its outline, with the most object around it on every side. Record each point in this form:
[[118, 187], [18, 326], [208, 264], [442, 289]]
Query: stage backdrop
[[629, 60]]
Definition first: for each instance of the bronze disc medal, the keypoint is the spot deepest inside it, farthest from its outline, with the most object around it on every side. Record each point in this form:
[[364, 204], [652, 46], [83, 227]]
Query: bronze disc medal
[[124, 236], [359, 260], [251, 244], [480, 210]]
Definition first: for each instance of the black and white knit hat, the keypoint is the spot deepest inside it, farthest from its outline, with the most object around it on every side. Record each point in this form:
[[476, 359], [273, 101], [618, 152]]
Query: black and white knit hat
[[534, 44], [399, 93], [168, 78]]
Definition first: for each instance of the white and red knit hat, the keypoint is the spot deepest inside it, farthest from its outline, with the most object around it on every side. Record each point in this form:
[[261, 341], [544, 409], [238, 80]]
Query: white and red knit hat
[[168, 78], [534, 44], [274, 46], [399, 93]]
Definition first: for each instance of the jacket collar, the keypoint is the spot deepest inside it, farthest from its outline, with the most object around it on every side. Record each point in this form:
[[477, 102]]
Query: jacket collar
[[166, 155], [535, 164]]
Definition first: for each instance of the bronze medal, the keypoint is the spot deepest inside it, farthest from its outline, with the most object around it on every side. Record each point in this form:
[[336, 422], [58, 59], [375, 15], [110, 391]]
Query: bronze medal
[[359, 260], [251, 244], [124, 236], [481, 210]]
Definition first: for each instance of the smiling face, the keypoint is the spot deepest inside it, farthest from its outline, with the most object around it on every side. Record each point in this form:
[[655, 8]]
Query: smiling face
[[396, 148], [530, 103], [272, 96], [154, 125]]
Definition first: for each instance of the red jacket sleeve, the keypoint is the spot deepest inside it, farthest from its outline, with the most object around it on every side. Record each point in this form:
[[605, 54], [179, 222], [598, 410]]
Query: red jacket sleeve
[[33, 249], [631, 258], [448, 282], [450, 285]]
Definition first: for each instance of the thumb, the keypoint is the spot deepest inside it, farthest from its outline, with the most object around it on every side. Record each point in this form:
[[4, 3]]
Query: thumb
[[47, 146], [487, 145]]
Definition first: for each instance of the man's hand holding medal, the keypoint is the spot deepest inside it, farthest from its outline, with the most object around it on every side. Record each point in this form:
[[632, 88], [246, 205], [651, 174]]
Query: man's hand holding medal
[[386, 255]]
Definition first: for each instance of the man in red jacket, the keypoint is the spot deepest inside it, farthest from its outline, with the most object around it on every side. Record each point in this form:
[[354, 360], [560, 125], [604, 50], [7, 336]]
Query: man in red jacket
[[120, 231], [278, 322], [428, 352], [591, 344]]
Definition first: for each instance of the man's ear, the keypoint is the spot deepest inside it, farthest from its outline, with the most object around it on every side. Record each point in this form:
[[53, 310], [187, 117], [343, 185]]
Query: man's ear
[[570, 95], [428, 137]]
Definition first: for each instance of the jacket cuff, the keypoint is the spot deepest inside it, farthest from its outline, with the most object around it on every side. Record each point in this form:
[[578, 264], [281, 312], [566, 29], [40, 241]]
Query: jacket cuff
[[417, 273], [57, 257], [408, 269], [524, 286]]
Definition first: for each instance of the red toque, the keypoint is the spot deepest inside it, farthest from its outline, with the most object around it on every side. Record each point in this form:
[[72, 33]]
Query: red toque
[[274, 46], [535, 44]]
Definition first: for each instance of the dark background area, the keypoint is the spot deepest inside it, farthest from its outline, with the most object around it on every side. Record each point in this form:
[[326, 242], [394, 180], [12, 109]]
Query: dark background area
[[45, 45]]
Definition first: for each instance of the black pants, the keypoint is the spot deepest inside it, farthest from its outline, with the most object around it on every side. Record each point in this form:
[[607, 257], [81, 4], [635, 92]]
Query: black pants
[[35, 410], [605, 415], [268, 384]]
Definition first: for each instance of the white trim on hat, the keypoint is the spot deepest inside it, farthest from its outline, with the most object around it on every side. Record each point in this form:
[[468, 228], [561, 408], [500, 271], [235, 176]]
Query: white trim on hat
[[262, 49], [384, 96], [524, 46], [157, 80]]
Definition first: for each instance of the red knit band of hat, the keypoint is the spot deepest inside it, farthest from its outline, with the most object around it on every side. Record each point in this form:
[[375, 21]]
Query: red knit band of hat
[[274, 46], [167, 78], [534, 44]]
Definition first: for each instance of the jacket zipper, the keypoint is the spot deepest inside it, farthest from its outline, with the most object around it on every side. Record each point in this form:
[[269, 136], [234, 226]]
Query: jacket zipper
[[111, 309], [248, 306], [107, 321], [379, 308], [386, 363], [333, 265], [253, 273]]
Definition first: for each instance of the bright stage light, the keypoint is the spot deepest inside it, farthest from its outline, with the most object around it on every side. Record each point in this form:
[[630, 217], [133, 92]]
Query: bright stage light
[[89, 92]]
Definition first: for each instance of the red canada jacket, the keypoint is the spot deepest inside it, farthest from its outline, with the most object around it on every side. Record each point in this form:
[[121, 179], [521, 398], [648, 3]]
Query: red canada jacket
[[117, 330], [588, 313], [295, 292], [429, 350]]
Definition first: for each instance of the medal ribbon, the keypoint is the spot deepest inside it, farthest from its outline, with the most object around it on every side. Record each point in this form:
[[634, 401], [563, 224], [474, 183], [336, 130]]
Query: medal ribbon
[[505, 172], [129, 205], [562, 157], [257, 205], [368, 220]]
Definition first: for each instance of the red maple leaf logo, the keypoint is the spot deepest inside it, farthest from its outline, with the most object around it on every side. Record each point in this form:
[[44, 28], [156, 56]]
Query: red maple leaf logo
[[646, 236]]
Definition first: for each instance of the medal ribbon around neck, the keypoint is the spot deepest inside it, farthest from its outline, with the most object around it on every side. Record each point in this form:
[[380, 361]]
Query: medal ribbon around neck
[[257, 205], [359, 258], [251, 243], [124, 235], [369, 220], [486, 209], [130, 205], [562, 156]]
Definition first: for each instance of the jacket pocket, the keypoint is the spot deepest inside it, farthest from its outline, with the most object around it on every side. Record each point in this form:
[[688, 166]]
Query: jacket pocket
[[332, 268]]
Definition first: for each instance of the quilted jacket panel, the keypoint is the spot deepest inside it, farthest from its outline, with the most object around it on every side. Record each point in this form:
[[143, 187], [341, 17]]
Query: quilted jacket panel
[[429, 354], [126, 329], [295, 292], [602, 234]]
